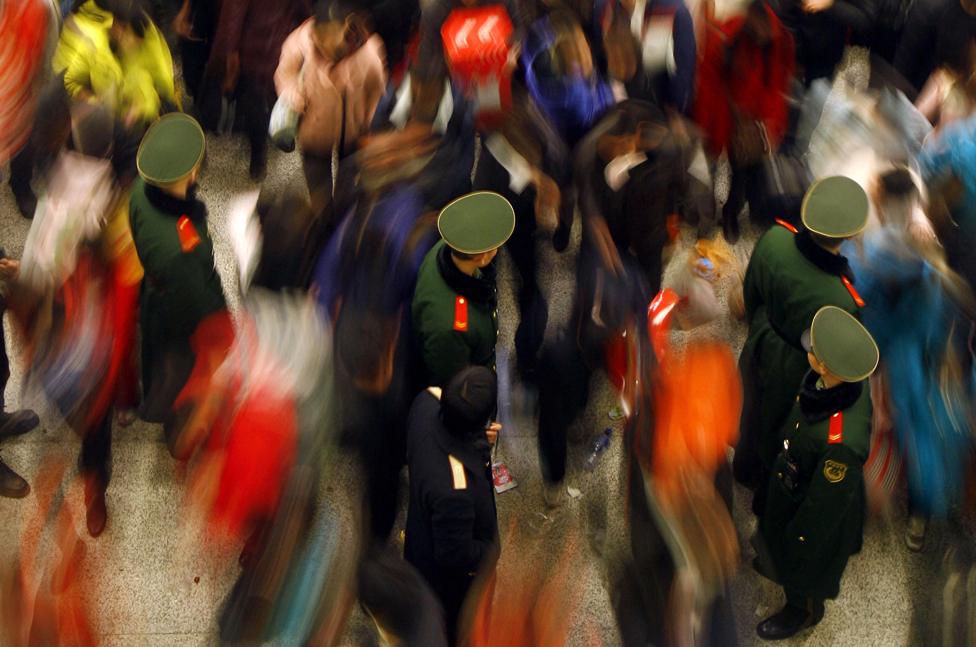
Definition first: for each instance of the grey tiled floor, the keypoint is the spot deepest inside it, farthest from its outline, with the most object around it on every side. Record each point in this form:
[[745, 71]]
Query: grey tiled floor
[[142, 573]]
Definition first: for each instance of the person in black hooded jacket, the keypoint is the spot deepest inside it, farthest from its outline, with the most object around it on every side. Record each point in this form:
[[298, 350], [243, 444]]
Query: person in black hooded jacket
[[452, 526], [823, 28], [936, 32]]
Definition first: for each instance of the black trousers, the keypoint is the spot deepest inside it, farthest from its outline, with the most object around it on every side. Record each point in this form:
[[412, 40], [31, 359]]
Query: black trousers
[[255, 98], [4, 360], [522, 247], [744, 188], [96, 451]]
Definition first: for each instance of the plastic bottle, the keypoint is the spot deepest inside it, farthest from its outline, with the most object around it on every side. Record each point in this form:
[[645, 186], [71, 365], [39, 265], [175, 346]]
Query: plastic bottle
[[600, 446]]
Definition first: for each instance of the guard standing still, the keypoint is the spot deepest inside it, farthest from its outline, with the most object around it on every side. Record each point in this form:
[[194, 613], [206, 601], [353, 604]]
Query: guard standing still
[[814, 515], [455, 303], [181, 285]]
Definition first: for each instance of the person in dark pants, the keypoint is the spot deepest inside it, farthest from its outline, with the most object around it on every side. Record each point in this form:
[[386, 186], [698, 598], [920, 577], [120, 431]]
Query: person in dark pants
[[400, 603], [452, 527], [195, 24], [814, 517], [936, 33], [741, 106], [823, 29], [246, 49], [12, 485]]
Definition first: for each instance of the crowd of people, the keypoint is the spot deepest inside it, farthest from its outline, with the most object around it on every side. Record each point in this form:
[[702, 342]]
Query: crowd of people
[[433, 136]]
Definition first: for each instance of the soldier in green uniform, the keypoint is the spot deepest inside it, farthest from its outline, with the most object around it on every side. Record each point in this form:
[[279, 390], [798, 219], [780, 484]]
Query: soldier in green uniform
[[181, 285], [791, 275], [454, 310], [815, 509]]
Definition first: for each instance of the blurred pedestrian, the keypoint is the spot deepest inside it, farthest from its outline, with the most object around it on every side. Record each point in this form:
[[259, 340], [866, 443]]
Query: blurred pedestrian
[[331, 73], [823, 29], [936, 33], [18, 422], [245, 53], [743, 83]]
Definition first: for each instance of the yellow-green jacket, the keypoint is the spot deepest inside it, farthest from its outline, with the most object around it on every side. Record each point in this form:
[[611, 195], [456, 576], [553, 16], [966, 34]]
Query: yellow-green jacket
[[132, 83]]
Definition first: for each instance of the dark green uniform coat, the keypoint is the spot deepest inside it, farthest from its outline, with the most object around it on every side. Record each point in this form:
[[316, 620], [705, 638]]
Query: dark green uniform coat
[[181, 287], [788, 280], [811, 529], [455, 316]]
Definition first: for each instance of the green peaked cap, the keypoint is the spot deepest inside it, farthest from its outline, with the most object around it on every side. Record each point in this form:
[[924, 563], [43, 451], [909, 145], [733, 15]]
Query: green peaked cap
[[171, 149], [842, 343], [835, 207], [477, 222]]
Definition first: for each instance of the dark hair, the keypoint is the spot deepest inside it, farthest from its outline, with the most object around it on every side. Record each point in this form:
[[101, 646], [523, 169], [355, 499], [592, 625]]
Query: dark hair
[[329, 10], [286, 220], [898, 182], [461, 256], [130, 12], [469, 399], [395, 595], [825, 241]]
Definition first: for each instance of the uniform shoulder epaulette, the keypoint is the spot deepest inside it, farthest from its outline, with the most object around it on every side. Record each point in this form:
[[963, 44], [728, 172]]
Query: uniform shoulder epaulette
[[460, 314], [858, 299], [457, 473], [787, 226], [835, 431], [187, 233]]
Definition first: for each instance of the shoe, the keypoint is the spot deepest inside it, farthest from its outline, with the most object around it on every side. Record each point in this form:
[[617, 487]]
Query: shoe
[[12, 485], [259, 166], [554, 494], [560, 239], [730, 229], [96, 516], [26, 204], [790, 621], [915, 535], [17, 423]]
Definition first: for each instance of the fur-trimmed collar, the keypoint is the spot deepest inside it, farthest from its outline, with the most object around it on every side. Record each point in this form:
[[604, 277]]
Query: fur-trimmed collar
[[479, 289], [826, 261], [819, 404]]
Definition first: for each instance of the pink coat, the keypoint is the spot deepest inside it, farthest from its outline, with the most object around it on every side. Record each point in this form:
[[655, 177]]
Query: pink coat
[[314, 86]]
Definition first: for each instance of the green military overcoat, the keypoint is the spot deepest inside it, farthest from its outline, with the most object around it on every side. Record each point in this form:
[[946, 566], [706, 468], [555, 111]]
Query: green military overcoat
[[811, 529], [181, 285], [788, 280], [455, 316]]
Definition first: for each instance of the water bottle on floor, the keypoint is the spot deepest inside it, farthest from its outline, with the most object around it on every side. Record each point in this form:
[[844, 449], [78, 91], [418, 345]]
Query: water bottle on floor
[[599, 447]]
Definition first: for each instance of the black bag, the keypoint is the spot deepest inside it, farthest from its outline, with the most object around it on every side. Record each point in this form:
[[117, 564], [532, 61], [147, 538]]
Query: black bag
[[783, 181]]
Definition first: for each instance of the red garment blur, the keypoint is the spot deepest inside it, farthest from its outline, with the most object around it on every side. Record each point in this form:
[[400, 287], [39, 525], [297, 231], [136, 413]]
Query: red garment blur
[[24, 29], [259, 451], [251, 428], [119, 386], [44, 599], [757, 81]]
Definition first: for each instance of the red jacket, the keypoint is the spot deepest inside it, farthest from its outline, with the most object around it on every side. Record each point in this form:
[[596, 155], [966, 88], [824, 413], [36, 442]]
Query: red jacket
[[757, 81]]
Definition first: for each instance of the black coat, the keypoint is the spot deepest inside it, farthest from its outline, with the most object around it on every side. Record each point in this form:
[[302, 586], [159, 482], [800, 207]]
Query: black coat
[[448, 174], [452, 529], [935, 34], [821, 37]]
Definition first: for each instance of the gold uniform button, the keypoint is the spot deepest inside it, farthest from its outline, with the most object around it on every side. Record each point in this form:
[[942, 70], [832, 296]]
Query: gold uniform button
[[802, 538], [797, 425]]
